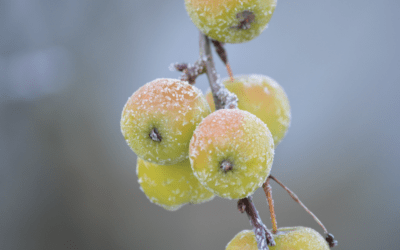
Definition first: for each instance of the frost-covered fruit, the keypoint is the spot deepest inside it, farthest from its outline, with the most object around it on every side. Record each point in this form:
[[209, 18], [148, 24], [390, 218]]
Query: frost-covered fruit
[[231, 153], [263, 97], [158, 120], [288, 238], [231, 21], [171, 186]]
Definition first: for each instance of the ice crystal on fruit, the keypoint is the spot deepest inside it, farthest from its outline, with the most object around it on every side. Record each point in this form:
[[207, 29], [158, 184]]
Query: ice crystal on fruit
[[225, 21], [238, 137], [165, 106], [171, 186]]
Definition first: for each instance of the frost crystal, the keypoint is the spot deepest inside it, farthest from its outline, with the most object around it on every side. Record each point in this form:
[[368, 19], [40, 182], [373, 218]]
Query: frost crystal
[[237, 137], [155, 116]]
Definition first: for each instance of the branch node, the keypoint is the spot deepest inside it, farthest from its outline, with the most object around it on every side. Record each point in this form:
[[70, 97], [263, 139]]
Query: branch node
[[189, 72], [223, 99]]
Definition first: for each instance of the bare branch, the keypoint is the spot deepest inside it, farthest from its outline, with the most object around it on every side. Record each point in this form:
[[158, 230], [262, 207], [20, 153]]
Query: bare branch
[[263, 235], [190, 72], [223, 99]]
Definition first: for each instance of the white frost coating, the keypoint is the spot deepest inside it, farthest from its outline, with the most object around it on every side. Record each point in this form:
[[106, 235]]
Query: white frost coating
[[261, 239], [218, 20], [264, 97], [287, 238], [171, 186], [244, 239], [236, 136], [167, 105], [227, 99]]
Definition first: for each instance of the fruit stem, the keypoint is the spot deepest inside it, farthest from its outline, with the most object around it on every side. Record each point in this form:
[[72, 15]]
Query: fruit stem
[[263, 235], [268, 192], [228, 68], [329, 237], [222, 97], [219, 48]]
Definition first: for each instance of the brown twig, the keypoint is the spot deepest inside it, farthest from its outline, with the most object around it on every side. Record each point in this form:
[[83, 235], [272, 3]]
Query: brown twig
[[268, 192], [190, 72], [225, 99], [329, 237], [222, 97], [263, 235]]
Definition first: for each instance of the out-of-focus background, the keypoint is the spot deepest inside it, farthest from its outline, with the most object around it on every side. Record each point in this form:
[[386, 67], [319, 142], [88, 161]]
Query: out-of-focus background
[[67, 177]]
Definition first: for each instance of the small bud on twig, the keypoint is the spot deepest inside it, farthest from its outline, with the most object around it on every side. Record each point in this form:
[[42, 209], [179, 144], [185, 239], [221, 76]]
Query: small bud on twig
[[190, 72]]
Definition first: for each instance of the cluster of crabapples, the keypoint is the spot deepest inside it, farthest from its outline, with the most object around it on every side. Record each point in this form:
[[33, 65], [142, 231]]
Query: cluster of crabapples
[[188, 152]]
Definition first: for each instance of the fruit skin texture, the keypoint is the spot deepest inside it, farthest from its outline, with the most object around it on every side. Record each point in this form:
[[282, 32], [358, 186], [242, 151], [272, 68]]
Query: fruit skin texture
[[171, 186], [287, 238], [263, 97], [238, 137], [171, 106], [218, 18]]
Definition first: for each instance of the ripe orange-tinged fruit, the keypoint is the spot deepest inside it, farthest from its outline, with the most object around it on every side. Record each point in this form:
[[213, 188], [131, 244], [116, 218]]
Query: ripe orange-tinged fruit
[[263, 97], [158, 120], [171, 186], [231, 21], [231, 153], [289, 238]]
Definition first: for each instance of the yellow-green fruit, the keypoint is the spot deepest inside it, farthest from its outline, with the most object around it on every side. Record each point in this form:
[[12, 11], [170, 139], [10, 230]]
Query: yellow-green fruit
[[231, 153], [263, 97], [171, 186], [158, 120], [231, 21], [287, 238]]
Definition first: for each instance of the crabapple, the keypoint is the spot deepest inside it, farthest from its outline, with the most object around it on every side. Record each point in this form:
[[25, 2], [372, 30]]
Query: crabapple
[[158, 120], [286, 239], [231, 21], [263, 97], [171, 186], [231, 153]]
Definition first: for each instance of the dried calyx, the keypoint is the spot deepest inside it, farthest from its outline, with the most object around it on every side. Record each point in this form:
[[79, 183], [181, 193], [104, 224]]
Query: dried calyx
[[226, 165], [155, 135], [245, 19]]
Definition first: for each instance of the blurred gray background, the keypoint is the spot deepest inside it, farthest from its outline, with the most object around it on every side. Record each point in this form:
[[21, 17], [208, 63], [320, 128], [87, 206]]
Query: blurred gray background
[[68, 179]]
